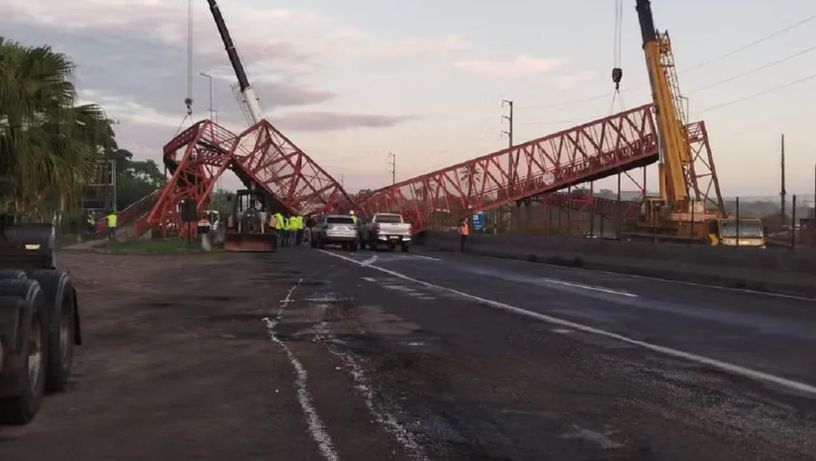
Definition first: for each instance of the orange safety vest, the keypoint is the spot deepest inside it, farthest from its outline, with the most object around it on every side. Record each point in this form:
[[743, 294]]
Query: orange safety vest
[[464, 228]]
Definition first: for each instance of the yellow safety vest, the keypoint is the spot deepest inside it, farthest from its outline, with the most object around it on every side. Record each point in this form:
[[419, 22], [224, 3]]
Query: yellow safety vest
[[112, 218], [279, 221]]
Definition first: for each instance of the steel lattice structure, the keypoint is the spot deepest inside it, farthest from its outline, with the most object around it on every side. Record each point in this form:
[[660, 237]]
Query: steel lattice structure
[[261, 157], [577, 155]]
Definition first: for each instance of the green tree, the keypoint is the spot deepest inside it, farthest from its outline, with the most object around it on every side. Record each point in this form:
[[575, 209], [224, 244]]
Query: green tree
[[48, 145], [134, 179]]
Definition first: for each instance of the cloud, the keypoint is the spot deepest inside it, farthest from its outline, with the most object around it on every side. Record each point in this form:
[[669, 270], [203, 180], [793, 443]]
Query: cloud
[[523, 65], [329, 121]]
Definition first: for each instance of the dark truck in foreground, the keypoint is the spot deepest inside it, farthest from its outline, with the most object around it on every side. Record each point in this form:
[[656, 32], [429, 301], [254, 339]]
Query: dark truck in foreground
[[39, 320]]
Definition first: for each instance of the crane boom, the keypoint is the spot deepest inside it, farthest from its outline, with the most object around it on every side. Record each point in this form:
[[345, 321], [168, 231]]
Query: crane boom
[[250, 99], [675, 150]]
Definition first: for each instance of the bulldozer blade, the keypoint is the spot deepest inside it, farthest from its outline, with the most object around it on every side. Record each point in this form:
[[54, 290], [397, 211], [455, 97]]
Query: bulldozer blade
[[251, 243]]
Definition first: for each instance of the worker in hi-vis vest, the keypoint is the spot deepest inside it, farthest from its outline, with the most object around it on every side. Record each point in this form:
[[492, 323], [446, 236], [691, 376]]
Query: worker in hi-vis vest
[[279, 222], [464, 231], [299, 230], [112, 222]]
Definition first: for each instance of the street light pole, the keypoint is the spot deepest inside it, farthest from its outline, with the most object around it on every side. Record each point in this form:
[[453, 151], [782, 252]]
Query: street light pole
[[209, 77]]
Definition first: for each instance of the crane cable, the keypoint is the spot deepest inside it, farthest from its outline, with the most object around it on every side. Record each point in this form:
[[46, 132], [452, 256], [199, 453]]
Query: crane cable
[[617, 55], [188, 100]]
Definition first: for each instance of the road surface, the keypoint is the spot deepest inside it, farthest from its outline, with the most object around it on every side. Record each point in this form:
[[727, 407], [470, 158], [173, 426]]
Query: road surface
[[328, 355]]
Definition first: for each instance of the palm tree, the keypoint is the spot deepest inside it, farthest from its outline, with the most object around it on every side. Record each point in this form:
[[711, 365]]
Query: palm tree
[[48, 146]]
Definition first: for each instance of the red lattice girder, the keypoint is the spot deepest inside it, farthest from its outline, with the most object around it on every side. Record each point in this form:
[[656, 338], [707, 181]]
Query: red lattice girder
[[584, 153], [261, 156], [196, 158], [270, 159]]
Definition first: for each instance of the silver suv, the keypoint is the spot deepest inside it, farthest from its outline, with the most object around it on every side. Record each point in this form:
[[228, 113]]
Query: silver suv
[[335, 230]]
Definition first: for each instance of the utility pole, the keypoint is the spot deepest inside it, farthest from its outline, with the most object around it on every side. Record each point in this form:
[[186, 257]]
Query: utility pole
[[783, 193], [511, 167], [212, 111], [392, 163], [509, 132]]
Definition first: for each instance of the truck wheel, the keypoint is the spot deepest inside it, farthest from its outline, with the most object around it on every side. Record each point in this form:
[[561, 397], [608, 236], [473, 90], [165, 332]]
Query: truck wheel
[[406, 248], [392, 246], [60, 322], [29, 364], [12, 274]]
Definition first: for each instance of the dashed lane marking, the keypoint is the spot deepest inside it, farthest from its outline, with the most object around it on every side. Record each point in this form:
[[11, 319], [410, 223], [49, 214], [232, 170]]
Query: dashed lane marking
[[733, 369], [427, 258]]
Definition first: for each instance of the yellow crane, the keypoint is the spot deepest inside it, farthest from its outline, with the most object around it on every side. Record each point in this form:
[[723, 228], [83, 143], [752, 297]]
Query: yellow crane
[[676, 213]]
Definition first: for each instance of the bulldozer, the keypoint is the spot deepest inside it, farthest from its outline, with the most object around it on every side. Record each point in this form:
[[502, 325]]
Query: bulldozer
[[247, 229]]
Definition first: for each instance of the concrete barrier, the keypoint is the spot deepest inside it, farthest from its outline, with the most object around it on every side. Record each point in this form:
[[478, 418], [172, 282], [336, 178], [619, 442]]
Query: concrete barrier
[[773, 269]]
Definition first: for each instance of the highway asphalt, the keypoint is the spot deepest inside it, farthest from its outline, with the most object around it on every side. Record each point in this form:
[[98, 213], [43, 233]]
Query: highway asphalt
[[546, 362], [329, 355]]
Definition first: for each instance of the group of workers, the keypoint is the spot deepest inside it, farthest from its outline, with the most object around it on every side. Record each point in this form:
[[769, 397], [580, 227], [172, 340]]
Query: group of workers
[[290, 229]]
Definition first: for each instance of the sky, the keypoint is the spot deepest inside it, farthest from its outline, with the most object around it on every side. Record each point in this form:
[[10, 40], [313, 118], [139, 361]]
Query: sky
[[351, 81]]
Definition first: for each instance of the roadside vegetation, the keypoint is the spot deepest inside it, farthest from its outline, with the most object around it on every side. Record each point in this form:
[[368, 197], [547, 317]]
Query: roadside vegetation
[[152, 247], [49, 144]]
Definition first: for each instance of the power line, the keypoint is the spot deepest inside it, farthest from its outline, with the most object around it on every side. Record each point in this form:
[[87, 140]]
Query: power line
[[751, 45], [761, 93], [754, 70], [684, 71]]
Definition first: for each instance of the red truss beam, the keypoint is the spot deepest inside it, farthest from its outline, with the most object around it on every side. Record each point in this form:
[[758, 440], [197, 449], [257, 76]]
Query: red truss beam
[[275, 163], [196, 158], [261, 156], [584, 153]]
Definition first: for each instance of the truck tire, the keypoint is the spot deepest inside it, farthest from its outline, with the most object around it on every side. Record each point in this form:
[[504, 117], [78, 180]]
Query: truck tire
[[61, 326], [406, 248], [29, 364], [12, 274]]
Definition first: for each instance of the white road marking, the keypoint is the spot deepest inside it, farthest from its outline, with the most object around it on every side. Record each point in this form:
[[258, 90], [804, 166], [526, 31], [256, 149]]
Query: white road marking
[[316, 426], [738, 370], [682, 282], [363, 385], [427, 258], [369, 261], [561, 331], [590, 287], [370, 279]]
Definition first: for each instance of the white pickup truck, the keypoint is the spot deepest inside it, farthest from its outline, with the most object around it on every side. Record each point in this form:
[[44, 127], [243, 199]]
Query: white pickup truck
[[386, 229]]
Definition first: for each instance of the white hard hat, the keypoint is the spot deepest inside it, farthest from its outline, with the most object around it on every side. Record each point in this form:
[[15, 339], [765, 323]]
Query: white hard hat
[[351, 212]]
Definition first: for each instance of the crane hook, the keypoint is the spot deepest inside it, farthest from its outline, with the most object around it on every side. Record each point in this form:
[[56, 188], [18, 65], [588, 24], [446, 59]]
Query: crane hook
[[617, 76]]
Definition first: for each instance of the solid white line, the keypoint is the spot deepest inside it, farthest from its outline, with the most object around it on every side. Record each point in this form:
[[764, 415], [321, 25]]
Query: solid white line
[[317, 428], [724, 366], [428, 258], [370, 279]]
